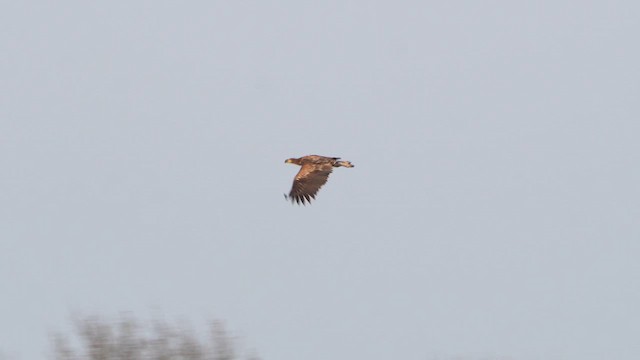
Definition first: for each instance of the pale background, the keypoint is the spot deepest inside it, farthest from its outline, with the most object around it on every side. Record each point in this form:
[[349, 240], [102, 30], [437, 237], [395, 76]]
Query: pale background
[[492, 213]]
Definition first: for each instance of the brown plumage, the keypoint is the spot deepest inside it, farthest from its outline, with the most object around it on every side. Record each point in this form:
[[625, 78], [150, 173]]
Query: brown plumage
[[314, 172]]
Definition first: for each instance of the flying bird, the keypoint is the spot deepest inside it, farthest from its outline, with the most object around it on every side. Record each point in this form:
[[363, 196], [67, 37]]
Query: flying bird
[[313, 173]]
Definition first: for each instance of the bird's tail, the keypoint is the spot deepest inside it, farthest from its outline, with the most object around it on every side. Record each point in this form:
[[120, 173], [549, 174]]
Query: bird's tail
[[343, 163]]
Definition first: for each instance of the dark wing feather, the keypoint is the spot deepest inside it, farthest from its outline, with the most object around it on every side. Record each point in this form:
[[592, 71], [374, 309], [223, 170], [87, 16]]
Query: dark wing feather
[[308, 181]]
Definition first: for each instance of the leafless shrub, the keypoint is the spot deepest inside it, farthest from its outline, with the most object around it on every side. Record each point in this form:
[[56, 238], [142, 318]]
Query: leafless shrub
[[127, 339]]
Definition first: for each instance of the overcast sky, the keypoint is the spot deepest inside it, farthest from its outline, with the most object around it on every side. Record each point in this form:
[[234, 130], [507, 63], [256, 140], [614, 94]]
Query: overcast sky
[[492, 211]]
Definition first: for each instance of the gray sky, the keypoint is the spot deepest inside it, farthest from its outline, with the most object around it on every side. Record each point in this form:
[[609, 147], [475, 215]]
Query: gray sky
[[493, 210]]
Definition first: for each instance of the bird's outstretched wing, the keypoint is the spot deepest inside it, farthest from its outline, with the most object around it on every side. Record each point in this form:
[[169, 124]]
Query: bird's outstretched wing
[[308, 181]]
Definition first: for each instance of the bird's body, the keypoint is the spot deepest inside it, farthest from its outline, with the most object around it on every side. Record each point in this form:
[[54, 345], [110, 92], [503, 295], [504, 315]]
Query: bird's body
[[314, 172]]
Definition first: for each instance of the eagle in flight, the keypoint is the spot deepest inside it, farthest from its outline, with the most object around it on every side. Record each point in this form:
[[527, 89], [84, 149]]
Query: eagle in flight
[[314, 172]]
